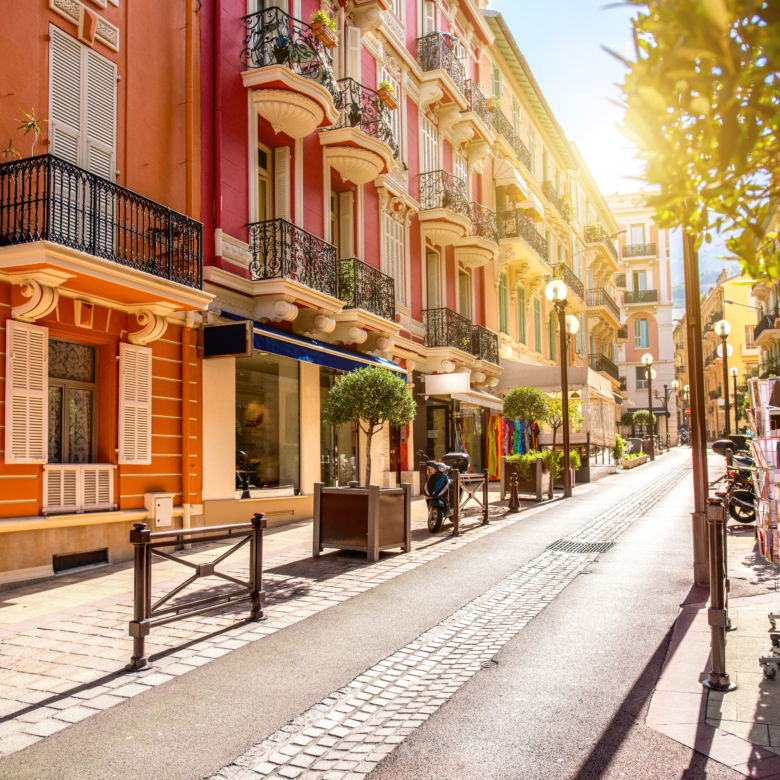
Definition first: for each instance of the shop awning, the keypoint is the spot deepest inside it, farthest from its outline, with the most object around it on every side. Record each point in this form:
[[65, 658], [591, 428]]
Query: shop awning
[[507, 175], [480, 399], [280, 342]]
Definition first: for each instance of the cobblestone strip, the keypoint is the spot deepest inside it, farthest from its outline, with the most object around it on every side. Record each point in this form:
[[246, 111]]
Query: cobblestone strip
[[344, 736]]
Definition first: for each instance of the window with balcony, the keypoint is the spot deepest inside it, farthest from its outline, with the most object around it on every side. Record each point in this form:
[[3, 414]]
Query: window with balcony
[[522, 336], [428, 22], [497, 84], [503, 304], [264, 179], [516, 118], [537, 326], [459, 166], [393, 118], [532, 147], [551, 336], [394, 261], [641, 334], [640, 280], [637, 234], [429, 158], [433, 278], [464, 294]]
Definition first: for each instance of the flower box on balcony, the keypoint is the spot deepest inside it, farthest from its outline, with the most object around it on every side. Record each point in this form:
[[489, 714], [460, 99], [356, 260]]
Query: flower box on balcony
[[324, 34], [388, 98]]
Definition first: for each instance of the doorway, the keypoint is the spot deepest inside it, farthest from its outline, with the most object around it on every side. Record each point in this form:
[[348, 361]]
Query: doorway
[[339, 462]]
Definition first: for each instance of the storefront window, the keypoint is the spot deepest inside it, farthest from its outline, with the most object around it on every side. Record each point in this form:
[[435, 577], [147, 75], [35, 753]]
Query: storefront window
[[338, 443], [470, 433], [268, 422]]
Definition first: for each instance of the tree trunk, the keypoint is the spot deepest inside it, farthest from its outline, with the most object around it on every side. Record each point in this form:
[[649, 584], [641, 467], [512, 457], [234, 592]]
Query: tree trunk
[[555, 433], [525, 436], [369, 435]]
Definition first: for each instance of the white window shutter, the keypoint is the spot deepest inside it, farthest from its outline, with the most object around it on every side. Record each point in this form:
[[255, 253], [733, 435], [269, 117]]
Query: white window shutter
[[100, 116], [65, 112], [61, 488], [26, 393], [394, 256], [352, 39], [429, 17], [97, 487], [282, 182], [346, 225], [338, 51], [135, 404]]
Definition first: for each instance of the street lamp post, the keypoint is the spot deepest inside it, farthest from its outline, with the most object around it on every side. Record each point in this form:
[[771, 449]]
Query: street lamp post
[[647, 361], [657, 394], [556, 292], [734, 371], [723, 328], [676, 391]]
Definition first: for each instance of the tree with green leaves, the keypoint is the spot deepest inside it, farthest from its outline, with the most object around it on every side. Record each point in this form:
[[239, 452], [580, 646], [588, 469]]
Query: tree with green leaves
[[627, 419], [701, 102], [641, 417], [369, 397], [555, 415], [526, 404]]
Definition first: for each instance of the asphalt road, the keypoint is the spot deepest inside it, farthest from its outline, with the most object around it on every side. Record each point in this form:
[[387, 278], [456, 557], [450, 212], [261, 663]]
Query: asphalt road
[[561, 703]]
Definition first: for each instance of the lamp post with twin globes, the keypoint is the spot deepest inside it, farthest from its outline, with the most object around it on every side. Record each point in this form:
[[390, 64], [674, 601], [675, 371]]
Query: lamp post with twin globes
[[734, 371], [722, 328], [647, 361]]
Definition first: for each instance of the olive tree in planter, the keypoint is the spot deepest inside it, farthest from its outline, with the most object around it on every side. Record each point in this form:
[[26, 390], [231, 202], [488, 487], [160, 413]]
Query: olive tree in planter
[[642, 417], [368, 519]]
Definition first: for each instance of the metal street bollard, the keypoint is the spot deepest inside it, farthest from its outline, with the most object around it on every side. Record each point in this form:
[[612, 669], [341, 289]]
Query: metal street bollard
[[514, 499], [486, 515], [717, 616], [455, 502]]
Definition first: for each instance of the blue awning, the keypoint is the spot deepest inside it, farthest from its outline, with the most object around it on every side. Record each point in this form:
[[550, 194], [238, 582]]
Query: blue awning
[[282, 342]]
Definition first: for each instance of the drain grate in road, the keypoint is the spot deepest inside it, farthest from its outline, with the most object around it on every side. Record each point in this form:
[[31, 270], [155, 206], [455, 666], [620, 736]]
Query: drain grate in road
[[579, 548]]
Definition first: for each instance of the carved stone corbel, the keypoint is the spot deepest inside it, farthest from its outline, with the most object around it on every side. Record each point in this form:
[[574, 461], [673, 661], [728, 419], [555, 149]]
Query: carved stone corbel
[[462, 133], [153, 326], [430, 94], [40, 288], [344, 333], [275, 311], [448, 116], [478, 151]]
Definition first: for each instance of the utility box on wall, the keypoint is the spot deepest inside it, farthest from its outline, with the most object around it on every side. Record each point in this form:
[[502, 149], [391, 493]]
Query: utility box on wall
[[160, 508]]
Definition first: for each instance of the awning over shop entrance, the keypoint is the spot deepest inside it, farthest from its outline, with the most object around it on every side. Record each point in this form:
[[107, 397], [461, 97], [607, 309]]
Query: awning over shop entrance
[[480, 399], [280, 342]]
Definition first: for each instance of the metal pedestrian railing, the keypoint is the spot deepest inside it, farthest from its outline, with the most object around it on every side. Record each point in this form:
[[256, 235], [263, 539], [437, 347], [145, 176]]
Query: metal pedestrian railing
[[147, 614]]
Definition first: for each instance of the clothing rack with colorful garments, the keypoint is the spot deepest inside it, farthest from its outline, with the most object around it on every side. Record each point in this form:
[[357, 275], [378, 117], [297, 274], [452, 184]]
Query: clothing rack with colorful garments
[[507, 437]]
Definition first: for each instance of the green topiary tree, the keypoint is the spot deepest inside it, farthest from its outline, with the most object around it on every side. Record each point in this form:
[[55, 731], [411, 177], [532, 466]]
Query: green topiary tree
[[555, 415], [641, 417], [526, 404], [369, 397], [627, 419]]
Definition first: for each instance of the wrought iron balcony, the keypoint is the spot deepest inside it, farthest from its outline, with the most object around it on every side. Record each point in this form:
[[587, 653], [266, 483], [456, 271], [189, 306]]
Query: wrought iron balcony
[[765, 323], [638, 250], [503, 126], [48, 199], [640, 296], [679, 368], [442, 190], [598, 296], [484, 344], [273, 37], [438, 51], [622, 333], [360, 107], [595, 234], [548, 188], [620, 281], [521, 150], [447, 328], [477, 102], [281, 250], [602, 363], [570, 279], [362, 286], [715, 394], [709, 360], [513, 224], [483, 223], [623, 384]]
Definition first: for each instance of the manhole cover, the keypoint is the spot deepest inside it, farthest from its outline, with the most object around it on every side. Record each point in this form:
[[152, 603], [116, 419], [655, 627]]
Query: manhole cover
[[581, 548], [489, 664]]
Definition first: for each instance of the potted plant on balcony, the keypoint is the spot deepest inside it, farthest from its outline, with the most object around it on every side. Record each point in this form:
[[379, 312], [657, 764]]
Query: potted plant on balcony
[[387, 95], [324, 29], [368, 519]]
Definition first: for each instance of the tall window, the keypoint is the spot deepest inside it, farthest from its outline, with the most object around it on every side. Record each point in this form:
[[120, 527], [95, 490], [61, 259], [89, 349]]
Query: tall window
[[537, 326], [498, 87], [264, 201], [551, 335], [434, 280], [581, 331], [641, 334], [641, 378], [395, 265], [522, 336], [429, 17], [516, 118], [394, 117], [637, 234], [503, 304], [532, 147], [458, 165], [640, 280], [560, 253], [548, 239], [464, 294], [430, 145], [545, 165]]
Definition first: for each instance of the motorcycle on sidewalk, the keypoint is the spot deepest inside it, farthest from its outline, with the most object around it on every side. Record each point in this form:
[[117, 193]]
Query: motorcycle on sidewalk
[[742, 507], [439, 488]]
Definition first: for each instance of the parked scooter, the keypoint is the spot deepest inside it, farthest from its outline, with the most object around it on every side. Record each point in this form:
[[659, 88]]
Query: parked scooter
[[684, 438], [439, 488], [742, 505]]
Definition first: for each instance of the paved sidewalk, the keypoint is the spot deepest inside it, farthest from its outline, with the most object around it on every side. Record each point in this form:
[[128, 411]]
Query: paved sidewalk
[[61, 666]]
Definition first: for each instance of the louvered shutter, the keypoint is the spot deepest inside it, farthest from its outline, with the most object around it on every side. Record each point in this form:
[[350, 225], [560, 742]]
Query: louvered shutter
[[100, 115], [433, 279], [135, 404], [282, 182], [97, 487], [65, 114], [394, 256], [338, 51], [429, 17], [26, 394], [352, 39], [61, 489], [346, 225]]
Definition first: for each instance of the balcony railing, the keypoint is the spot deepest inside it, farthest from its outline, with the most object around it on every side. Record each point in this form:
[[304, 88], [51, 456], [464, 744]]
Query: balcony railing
[[442, 190], [281, 250], [276, 38], [679, 368], [447, 328], [503, 126], [622, 334], [595, 234], [438, 51], [709, 360], [483, 223], [715, 394], [767, 322], [623, 384], [548, 188], [620, 281], [570, 279], [521, 150], [477, 102], [640, 296], [47, 199], [362, 286], [598, 296], [484, 344], [513, 224], [605, 365], [361, 108], [638, 250]]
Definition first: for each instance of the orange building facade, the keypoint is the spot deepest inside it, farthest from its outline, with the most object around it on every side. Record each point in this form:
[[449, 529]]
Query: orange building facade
[[100, 281]]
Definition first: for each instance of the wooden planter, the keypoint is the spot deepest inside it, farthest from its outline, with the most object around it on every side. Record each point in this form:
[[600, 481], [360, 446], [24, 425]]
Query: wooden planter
[[634, 462], [388, 98], [559, 481], [538, 487], [365, 519], [324, 34]]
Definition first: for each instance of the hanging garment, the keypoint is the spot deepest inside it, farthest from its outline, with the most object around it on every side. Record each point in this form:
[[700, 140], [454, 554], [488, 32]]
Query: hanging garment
[[516, 439], [521, 430], [534, 436], [492, 444]]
